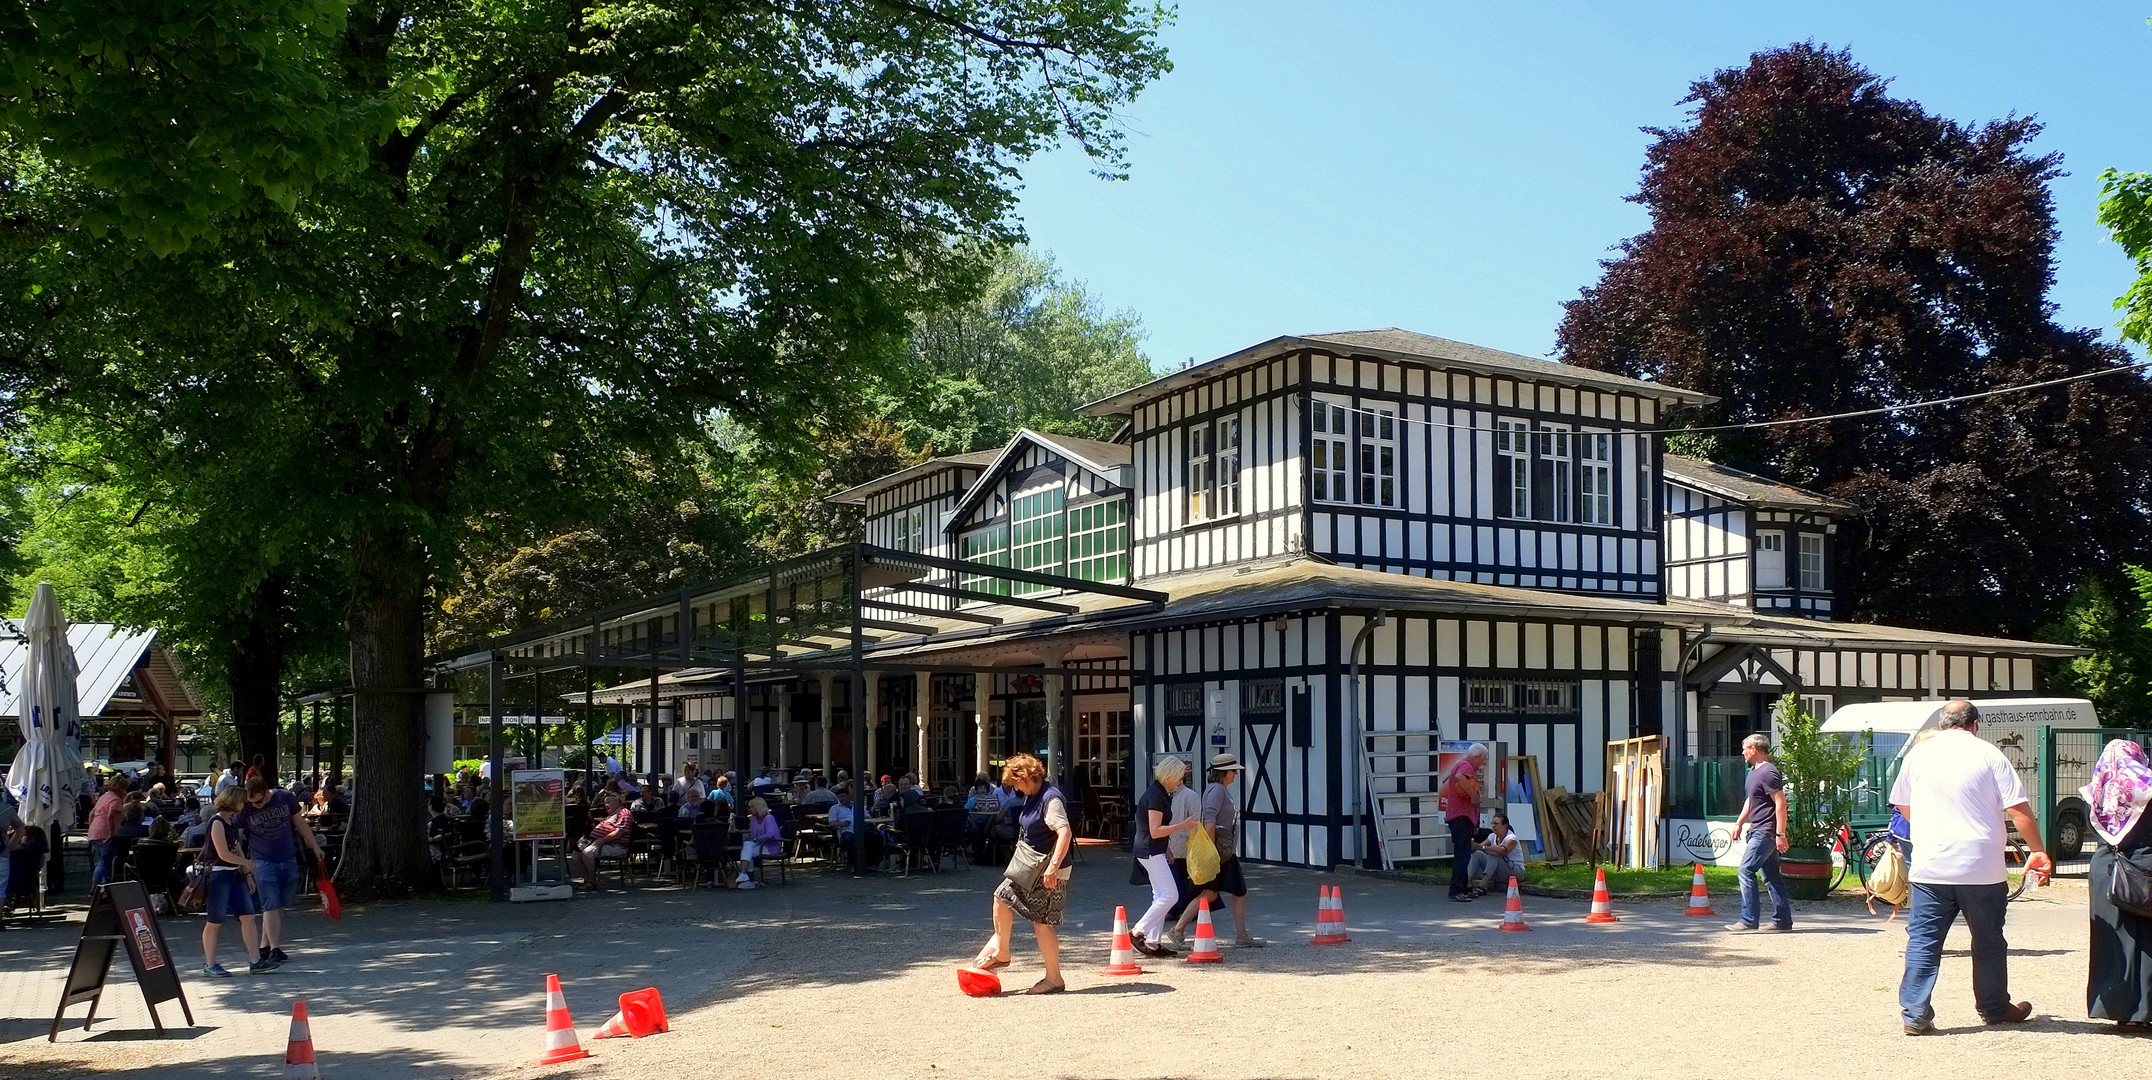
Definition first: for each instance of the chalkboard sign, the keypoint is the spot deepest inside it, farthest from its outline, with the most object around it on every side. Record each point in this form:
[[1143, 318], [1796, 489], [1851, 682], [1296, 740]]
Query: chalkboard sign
[[120, 914]]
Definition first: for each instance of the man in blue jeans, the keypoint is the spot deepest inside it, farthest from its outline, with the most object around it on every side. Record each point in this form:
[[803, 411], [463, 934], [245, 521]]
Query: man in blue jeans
[[1763, 817], [1955, 789], [273, 827]]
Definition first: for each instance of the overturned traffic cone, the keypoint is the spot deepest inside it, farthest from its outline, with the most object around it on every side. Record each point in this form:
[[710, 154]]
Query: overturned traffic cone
[[1122, 961], [1330, 917], [1513, 909], [644, 1010], [977, 983], [1699, 897], [299, 1051], [1602, 904], [1206, 950], [560, 1041]]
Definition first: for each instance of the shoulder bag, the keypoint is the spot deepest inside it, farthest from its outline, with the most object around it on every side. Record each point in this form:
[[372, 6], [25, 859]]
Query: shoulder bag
[[2129, 887], [1026, 866]]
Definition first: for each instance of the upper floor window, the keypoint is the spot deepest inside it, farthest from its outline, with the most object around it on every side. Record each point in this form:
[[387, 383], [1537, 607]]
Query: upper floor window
[[1328, 457], [1770, 559], [912, 529], [1037, 540], [1098, 541], [1513, 468], [989, 545], [1214, 469], [1378, 457], [1551, 498], [1595, 479], [1811, 562]]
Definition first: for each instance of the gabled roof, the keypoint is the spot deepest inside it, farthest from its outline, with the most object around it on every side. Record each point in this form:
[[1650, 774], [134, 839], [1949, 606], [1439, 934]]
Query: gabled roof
[[858, 494], [105, 656], [1403, 345], [1746, 488], [1099, 457]]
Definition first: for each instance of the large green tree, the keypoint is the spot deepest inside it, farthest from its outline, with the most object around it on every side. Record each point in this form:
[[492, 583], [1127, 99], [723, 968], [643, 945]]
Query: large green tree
[[506, 254], [1820, 246]]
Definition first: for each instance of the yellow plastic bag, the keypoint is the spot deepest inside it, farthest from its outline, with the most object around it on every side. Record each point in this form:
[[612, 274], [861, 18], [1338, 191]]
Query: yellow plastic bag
[[1203, 860]]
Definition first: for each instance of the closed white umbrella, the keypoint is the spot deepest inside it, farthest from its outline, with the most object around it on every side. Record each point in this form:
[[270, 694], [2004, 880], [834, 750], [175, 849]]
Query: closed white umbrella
[[47, 774]]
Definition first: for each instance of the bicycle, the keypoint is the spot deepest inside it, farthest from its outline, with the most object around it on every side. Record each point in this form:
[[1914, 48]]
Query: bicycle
[[1868, 851]]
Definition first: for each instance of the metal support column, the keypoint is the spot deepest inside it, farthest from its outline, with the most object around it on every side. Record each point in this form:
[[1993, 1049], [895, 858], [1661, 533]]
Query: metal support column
[[859, 720], [982, 708], [922, 713], [496, 877]]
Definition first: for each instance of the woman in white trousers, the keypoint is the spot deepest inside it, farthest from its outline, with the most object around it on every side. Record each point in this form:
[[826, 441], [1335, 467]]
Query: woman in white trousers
[[1154, 828]]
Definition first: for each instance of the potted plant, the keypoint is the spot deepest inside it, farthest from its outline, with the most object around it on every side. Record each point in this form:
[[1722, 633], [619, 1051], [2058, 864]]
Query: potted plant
[[1819, 771]]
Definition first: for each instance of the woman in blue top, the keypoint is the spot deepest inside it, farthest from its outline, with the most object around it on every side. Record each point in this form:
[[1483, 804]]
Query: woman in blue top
[[1035, 885], [1154, 830]]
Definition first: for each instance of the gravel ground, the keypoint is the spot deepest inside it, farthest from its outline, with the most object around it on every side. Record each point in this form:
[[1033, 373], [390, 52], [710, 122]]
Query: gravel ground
[[832, 973]]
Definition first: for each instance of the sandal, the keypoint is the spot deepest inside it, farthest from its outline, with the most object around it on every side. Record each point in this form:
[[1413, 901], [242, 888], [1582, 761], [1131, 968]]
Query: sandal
[[986, 962], [1044, 987]]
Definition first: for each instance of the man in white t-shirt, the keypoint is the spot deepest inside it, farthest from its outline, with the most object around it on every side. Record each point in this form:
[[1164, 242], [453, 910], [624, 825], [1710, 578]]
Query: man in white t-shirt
[[1955, 790]]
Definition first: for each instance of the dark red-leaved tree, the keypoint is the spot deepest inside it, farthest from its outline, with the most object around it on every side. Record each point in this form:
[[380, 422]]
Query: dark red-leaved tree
[[1818, 246]]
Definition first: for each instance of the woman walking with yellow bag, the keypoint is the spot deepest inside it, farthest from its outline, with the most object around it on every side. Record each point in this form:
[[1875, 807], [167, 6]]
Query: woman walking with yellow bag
[[1217, 870]]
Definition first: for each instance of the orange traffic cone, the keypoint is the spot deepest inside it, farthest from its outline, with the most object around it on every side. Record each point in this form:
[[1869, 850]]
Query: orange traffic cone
[[1206, 950], [299, 1051], [560, 1041], [1699, 897], [644, 1011], [616, 1028], [1330, 917], [1513, 909], [1122, 961], [1602, 904]]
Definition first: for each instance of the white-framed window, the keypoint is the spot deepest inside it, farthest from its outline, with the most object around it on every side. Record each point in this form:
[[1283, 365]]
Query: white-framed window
[[1378, 456], [1225, 464], [912, 529], [1037, 540], [1098, 541], [1770, 559], [1595, 478], [1513, 468], [988, 545], [1818, 706], [1328, 452], [1552, 498], [1202, 473], [1811, 562]]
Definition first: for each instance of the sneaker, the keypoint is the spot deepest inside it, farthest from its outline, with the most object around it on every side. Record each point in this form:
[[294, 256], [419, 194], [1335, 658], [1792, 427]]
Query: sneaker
[[1740, 928], [1178, 937], [1250, 943], [261, 967], [1147, 947], [1776, 928], [1461, 898], [216, 971], [743, 884], [278, 956], [2017, 1014]]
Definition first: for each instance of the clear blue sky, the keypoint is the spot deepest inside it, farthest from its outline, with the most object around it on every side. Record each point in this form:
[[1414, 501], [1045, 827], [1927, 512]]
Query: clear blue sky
[[1460, 169]]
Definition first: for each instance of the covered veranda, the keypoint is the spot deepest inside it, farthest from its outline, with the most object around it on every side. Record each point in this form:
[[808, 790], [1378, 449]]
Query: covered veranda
[[770, 663]]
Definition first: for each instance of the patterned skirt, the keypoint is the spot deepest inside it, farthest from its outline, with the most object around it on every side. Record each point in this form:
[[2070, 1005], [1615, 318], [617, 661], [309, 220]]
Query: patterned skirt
[[1039, 905]]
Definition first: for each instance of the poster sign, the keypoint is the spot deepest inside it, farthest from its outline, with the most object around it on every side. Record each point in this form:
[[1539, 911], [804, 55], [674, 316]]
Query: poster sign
[[1695, 840], [537, 803], [120, 915]]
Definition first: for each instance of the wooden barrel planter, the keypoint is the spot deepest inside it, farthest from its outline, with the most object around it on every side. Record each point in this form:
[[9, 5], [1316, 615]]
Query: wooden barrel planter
[[1808, 873]]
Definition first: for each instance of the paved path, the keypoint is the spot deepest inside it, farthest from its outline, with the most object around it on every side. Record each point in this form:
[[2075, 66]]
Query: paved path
[[784, 981]]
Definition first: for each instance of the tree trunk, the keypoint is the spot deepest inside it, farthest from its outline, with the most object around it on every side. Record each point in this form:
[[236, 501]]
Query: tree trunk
[[385, 852], [255, 670]]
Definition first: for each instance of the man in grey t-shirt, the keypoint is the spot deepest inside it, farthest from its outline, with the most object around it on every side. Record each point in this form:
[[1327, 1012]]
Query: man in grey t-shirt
[[1221, 818]]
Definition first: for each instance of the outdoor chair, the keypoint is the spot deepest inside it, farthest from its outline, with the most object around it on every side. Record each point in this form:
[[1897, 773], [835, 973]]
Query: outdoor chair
[[916, 833], [714, 851], [948, 840]]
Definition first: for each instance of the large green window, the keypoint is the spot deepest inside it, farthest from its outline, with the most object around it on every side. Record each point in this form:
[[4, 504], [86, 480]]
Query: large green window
[[989, 545], [1037, 535], [1098, 541]]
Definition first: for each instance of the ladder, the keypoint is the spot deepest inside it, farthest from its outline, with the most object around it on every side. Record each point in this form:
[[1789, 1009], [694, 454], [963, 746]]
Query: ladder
[[1397, 773]]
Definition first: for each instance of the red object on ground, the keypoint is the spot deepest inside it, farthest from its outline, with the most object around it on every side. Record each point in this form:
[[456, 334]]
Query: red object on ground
[[299, 1050], [1513, 909], [1602, 904], [331, 905], [1699, 896], [645, 1012], [1206, 950], [1122, 960], [978, 983], [1330, 917], [560, 1041]]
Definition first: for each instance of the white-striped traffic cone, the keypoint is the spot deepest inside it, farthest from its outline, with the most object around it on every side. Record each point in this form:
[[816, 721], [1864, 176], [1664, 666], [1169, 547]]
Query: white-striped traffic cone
[[1513, 909], [299, 1049], [1122, 961], [560, 1041], [1699, 896], [1330, 917], [1602, 904], [1206, 950]]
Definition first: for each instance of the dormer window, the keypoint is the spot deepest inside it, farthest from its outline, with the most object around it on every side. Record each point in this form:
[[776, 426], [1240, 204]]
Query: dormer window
[[1328, 456], [1811, 562]]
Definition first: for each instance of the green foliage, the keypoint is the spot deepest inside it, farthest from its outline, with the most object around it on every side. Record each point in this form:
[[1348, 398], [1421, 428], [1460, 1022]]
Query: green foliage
[[2126, 211], [2117, 677], [1819, 771], [1026, 352]]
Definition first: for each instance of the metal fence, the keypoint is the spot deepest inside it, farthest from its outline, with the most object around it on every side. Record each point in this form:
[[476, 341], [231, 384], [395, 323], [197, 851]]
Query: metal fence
[[2065, 765]]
